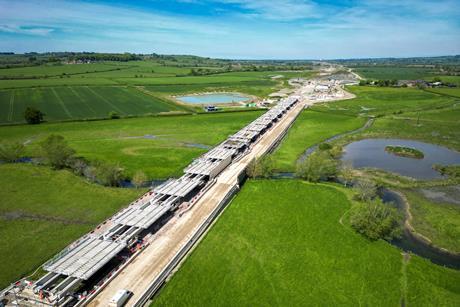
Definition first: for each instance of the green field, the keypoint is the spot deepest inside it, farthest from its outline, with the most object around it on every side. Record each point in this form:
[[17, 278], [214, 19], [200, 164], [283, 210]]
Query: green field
[[394, 72], [91, 91], [159, 146], [281, 243], [80, 102], [380, 101], [438, 221], [311, 128], [455, 92], [42, 211]]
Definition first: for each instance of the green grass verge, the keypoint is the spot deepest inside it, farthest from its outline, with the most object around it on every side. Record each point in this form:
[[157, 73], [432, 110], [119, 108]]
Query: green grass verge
[[309, 129], [43, 210], [438, 221], [160, 146], [280, 243]]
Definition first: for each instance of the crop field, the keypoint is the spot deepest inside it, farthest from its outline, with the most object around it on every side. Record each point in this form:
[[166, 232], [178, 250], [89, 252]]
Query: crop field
[[80, 102], [395, 73], [309, 129], [42, 211], [60, 70], [90, 91], [439, 221], [159, 146], [383, 100], [294, 251]]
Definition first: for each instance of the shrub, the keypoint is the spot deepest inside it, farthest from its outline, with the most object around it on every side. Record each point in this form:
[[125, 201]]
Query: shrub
[[260, 167], [345, 173], [139, 179], [318, 166], [56, 151], [33, 116], [114, 115], [11, 152], [324, 146], [108, 174], [365, 190], [376, 220]]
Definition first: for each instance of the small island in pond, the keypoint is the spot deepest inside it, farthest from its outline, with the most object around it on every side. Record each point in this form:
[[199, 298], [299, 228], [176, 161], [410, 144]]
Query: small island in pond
[[405, 152]]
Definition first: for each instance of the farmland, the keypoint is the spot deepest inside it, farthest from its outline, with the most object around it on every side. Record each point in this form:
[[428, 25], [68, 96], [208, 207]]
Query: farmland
[[309, 129], [296, 252], [57, 208], [80, 102], [395, 72], [92, 91], [382, 101], [160, 146]]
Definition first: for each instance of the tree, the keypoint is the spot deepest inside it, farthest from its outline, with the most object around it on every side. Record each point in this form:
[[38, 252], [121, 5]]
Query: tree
[[260, 167], [114, 115], [318, 166], [267, 166], [365, 190], [11, 152], [376, 220], [108, 174], [33, 116], [139, 179], [56, 151], [346, 173], [253, 170]]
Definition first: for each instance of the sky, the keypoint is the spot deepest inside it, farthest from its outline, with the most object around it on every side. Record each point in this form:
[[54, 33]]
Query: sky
[[236, 29]]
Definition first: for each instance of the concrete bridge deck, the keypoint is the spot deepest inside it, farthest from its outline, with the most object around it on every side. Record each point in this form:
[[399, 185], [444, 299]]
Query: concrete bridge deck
[[173, 236]]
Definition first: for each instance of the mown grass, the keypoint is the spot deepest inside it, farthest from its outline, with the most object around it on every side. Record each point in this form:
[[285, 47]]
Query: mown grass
[[311, 128], [377, 101], [159, 146], [438, 221], [281, 243], [42, 211]]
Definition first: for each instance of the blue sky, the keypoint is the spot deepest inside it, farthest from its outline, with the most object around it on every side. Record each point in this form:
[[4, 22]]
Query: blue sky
[[253, 29]]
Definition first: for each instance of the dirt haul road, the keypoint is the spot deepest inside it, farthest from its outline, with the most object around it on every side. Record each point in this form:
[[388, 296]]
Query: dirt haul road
[[137, 276]]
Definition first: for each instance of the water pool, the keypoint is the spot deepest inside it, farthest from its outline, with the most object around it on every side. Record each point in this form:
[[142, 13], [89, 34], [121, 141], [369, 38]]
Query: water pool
[[214, 98]]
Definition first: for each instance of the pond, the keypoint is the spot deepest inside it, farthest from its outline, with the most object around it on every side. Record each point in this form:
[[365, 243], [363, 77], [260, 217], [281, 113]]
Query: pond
[[371, 153], [217, 98]]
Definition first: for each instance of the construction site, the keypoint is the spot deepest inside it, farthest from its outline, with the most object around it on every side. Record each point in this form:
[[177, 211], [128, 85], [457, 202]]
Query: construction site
[[136, 247]]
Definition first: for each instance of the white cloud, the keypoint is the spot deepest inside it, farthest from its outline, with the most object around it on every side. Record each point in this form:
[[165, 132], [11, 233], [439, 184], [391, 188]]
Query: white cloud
[[25, 30]]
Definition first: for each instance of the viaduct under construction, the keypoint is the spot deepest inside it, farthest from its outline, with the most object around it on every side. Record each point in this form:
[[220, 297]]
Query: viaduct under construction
[[126, 250]]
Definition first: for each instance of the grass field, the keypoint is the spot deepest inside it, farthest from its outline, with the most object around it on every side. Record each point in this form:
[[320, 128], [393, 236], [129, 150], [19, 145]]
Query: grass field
[[438, 221], [384, 100], [80, 102], [394, 73], [311, 128], [280, 243], [43, 210], [446, 91], [160, 146]]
